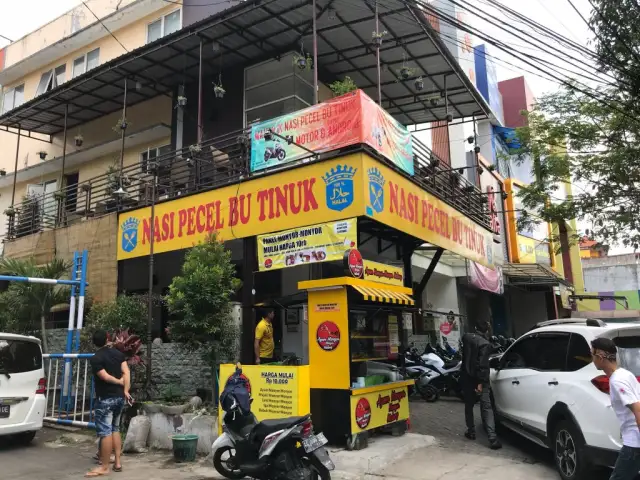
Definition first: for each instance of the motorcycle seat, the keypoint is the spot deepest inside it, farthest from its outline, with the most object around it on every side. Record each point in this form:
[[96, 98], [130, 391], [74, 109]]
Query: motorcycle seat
[[450, 364], [266, 427]]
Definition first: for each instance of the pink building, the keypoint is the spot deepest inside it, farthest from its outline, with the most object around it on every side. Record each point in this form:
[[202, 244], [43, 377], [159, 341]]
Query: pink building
[[516, 97]]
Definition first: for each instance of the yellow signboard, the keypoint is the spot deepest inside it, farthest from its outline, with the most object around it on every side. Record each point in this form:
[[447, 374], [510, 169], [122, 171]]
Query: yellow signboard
[[533, 251], [349, 187], [395, 201], [321, 192], [381, 273], [277, 391], [378, 408], [323, 242]]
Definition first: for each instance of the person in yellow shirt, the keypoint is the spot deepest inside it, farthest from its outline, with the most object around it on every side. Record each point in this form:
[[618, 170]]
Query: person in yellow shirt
[[264, 345]]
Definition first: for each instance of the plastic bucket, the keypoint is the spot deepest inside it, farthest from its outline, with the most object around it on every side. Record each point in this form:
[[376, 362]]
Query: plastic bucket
[[184, 447]]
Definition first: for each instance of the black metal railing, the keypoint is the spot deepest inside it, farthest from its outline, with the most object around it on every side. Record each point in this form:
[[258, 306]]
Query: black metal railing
[[215, 163]]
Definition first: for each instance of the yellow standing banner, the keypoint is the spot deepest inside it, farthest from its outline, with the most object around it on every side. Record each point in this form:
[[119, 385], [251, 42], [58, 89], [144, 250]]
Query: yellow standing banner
[[277, 391], [323, 242]]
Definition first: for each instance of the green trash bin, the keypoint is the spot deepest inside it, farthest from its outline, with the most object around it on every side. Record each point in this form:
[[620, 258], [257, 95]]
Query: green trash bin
[[184, 447]]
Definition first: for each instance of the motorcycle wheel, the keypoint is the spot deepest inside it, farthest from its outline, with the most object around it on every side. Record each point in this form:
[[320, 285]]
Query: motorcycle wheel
[[224, 466], [281, 155], [318, 471], [430, 393]]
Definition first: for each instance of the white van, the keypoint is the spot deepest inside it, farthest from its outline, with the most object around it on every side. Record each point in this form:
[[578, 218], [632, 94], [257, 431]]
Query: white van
[[23, 387]]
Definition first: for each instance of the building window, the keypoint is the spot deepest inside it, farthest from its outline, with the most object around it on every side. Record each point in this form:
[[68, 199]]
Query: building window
[[86, 62], [152, 154], [166, 25], [13, 98], [51, 79]]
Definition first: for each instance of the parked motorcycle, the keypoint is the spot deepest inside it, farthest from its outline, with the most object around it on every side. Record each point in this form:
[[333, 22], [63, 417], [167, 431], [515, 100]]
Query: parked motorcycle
[[280, 449], [441, 378], [275, 152]]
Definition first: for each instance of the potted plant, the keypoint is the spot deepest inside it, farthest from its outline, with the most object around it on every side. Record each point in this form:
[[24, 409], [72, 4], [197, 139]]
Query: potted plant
[[195, 148], [406, 72], [79, 139], [377, 37], [303, 61], [59, 194], [434, 101], [3, 172], [10, 212], [340, 87], [173, 401], [218, 90], [182, 101], [42, 154], [121, 124], [419, 83]]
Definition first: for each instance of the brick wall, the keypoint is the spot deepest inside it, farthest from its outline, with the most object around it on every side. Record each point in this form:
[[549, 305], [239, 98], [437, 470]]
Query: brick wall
[[98, 236]]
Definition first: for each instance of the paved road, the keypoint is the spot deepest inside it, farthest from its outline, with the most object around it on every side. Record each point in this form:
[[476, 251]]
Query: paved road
[[445, 421]]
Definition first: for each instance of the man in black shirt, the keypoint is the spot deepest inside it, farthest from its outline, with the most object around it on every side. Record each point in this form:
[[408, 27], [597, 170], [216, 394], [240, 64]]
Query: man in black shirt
[[475, 381], [112, 382]]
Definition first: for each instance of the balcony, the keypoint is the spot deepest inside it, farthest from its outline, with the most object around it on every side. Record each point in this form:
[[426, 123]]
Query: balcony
[[215, 163]]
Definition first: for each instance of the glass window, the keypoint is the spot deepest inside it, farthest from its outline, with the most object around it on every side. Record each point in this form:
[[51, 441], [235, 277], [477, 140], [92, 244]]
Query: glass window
[[60, 75], [271, 91], [78, 66], [552, 351], [172, 23], [19, 356], [275, 109], [579, 355], [522, 354], [45, 82], [270, 70], [93, 59], [18, 98], [154, 31], [629, 353], [13, 98], [153, 153]]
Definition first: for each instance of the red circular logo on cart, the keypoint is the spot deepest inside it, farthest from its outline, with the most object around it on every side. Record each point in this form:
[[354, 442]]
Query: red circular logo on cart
[[354, 262], [328, 336], [446, 328], [244, 377], [268, 263], [363, 413]]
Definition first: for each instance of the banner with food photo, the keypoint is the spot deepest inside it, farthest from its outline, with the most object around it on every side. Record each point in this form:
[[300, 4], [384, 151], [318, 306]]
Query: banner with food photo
[[323, 242]]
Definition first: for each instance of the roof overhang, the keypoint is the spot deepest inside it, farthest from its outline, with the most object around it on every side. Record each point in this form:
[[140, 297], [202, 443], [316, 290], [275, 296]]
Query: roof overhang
[[80, 39], [255, 31], [50, 167], [532, 274]]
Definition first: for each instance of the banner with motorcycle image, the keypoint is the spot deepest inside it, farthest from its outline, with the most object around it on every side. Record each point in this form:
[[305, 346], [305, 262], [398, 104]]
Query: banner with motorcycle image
[[350, 119], [323, 242]]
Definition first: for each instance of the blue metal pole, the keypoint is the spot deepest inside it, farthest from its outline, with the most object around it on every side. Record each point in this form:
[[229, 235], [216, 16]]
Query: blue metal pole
[[68, 367], [83, 286]]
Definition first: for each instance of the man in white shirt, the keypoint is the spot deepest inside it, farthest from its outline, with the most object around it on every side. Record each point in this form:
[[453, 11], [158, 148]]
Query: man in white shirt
[[625, 401]]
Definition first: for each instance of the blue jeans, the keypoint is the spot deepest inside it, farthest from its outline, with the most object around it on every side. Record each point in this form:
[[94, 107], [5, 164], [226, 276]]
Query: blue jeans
[[627, 465], [108, 413]]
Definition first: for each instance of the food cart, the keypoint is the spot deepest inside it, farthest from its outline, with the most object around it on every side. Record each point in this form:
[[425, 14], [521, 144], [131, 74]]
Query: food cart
[[355, 331]]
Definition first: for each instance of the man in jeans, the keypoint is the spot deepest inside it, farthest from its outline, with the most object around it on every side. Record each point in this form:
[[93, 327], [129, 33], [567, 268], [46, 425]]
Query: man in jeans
[[112, 382], [474, 376], [625, 401]]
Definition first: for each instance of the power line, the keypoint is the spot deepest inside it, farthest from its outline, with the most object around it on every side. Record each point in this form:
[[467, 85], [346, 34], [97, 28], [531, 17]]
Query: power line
[[6, 38], [104, 26]]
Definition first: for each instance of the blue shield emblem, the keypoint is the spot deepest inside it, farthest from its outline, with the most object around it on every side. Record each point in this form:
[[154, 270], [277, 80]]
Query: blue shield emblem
[[376, 191], [339, 187], [129, 240]]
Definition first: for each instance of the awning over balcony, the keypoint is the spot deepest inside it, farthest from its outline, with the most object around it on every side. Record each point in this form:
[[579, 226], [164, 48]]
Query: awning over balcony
[[532, 274], [253, 31]]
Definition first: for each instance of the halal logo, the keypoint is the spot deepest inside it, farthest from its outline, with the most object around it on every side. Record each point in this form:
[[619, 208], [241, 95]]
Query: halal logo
[[363, 413], [129, 239], [354, 263], [376, 191], [339, 187], [328, 336]]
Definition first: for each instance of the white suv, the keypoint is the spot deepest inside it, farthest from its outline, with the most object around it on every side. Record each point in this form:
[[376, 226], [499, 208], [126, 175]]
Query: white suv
[[545, 388], [23, 387]]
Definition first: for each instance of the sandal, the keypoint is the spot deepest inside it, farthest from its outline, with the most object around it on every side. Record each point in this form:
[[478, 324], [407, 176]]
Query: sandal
[[117, 469], [95, 473]]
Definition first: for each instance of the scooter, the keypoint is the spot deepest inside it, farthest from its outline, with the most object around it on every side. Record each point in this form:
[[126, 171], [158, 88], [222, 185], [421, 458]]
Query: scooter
[[280, 449], [275, 152]]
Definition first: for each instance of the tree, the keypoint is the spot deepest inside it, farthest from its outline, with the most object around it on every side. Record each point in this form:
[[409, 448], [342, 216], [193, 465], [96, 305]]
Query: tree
[[125, 312], [200, 299], [591, 135], [29, 301]]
